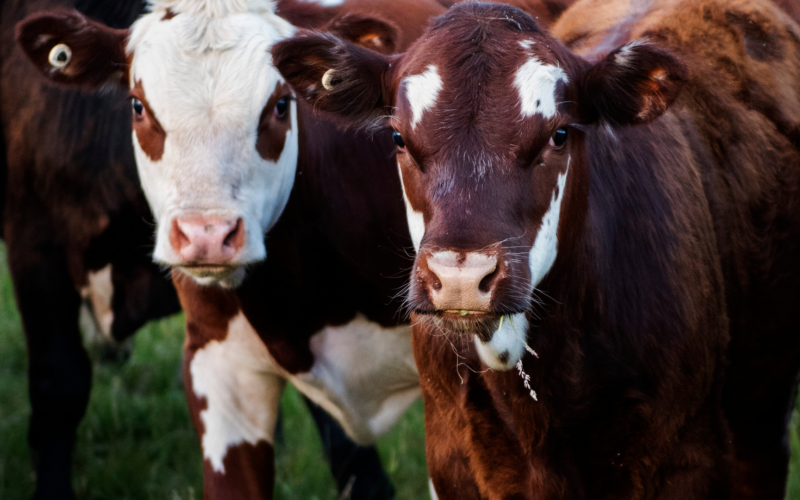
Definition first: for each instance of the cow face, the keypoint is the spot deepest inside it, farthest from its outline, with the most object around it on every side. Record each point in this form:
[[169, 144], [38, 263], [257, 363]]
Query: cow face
[[489, 114], [215, 135], [215, 129]]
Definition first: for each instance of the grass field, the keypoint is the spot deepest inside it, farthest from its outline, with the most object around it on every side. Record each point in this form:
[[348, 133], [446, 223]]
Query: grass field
[[136, 441]]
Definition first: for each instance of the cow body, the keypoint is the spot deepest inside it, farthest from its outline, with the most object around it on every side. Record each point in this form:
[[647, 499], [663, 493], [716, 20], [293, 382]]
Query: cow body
[[606, 237], [318, 313]]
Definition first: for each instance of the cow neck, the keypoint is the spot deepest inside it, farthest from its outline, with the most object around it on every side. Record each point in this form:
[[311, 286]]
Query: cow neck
[[347, 199], [615, 269], [336, 249]]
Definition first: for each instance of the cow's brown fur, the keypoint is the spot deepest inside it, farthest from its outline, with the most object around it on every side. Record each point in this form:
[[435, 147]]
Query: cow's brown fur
[[666, 346], [149, 132], [272, 128]]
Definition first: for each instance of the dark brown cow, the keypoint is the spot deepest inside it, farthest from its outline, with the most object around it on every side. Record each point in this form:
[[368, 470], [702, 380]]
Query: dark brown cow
[[73, 215], [600, 233]]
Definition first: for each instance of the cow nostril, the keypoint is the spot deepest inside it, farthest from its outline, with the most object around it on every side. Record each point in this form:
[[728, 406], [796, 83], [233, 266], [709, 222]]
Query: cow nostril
[[490, 280], [177, 238], [235, 238]]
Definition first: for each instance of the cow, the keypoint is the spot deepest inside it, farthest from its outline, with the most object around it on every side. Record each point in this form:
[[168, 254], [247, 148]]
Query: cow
[[226, 154], [72, 214], [607, 222], [78, 232]]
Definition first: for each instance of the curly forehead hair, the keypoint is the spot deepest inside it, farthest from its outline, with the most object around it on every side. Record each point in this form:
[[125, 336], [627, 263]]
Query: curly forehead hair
[[480, 17]]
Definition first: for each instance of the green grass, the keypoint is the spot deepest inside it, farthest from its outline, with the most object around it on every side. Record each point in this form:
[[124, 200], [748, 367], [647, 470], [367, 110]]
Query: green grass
[[137, 442]]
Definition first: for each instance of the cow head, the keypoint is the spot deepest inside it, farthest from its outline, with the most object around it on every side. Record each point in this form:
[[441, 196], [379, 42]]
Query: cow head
[[215, 127], [490, 116]]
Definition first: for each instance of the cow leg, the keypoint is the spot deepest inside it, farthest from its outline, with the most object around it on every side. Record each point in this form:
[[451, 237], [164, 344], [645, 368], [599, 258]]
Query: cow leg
[[761, 441], [448, 463], [59, 370], [448, 466], [357, 469], [234, 406]]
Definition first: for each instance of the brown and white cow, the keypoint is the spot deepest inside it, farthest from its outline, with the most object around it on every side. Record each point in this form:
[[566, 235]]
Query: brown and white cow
[[220, 144], [600, 233]]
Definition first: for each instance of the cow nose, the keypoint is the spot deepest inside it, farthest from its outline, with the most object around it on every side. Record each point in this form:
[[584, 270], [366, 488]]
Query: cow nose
[[461, 280], [200, 240]]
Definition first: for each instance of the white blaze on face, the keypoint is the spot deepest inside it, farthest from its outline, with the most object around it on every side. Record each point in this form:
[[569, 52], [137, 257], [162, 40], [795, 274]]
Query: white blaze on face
[[207, 79], [543, 253], [416, 221], [421, 92], [536, 85], [507, 344], [238, 378]]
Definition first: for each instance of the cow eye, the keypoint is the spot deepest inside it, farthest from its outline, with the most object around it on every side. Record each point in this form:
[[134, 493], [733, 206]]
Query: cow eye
[[398, 139], [282, 108], [559, 138], [138, 107]]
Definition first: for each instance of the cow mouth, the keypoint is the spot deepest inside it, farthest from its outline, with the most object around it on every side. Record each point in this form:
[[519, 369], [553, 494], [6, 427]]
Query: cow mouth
[[465, 322], [209, 271]]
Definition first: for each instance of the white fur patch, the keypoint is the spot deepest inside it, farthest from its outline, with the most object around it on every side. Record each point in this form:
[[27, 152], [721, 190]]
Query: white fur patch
[[623, 57], [364, 375], [545, 248], [507, 342], [434, 496], [207, 74], [238, 378], [99, 291], [421, 92], [536, 85], [416, 220]]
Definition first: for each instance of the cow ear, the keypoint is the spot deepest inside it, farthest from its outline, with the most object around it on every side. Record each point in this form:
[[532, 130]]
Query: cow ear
[[335, 76], [633, 84], [72, 49], [367, 32]]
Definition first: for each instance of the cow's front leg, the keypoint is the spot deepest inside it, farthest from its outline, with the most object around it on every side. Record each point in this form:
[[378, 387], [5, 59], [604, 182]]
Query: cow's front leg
[[59, 371], [233, 398]]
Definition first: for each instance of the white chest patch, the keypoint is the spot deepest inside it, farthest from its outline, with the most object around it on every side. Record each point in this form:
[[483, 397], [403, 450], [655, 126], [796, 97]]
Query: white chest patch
[[238, 378], [536, 85], [507, 345], [363, 374], [421, 92], [416, 221], [545, 247]]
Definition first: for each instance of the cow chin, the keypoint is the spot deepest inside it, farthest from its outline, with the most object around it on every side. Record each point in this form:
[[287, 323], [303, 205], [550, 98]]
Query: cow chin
[[499, 339], [480, 324], [225, 276]]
